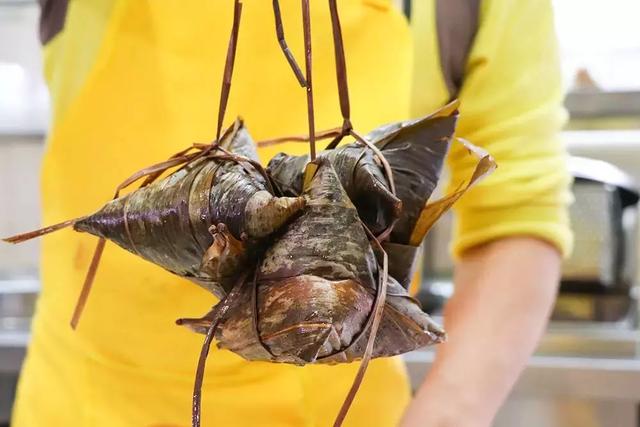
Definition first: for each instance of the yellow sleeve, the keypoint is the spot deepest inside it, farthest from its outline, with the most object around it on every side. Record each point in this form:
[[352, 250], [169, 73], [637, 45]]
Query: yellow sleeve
[[511, 104]]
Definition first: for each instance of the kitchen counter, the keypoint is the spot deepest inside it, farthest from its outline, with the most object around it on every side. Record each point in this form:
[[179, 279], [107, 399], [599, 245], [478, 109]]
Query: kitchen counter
[[17, 301], [584, 360], [571, 360], [13, 346], [560, 377], [588, 371], [596, 363], [585, 374]]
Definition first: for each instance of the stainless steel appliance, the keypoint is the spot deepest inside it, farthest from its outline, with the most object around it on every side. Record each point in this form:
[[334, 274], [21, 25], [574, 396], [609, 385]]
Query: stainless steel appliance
[[598, 279], [604, 221]]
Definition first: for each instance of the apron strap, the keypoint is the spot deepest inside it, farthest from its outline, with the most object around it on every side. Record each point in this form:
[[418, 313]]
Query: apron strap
[[52, 16], [406, 8], [457, 25]]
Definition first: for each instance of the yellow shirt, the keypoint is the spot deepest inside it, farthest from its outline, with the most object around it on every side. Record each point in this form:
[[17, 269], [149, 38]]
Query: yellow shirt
[[135, 81], [511, 104]]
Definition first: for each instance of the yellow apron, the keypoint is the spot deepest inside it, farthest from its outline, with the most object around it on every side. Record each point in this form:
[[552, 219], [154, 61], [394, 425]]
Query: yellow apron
[[153, 89]]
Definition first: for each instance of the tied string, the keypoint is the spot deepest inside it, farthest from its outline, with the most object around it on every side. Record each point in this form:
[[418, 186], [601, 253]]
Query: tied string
[[306, 23], [285, 48], [325, 134], [255, 314], [341, 73], [388, 174], [227, 75], [218, 314], [373, 323], [339, 133], [371, 326]]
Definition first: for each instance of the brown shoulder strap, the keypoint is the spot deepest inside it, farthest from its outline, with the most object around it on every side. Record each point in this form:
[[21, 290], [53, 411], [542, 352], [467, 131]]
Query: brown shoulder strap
[[457, 24], [52, 16]]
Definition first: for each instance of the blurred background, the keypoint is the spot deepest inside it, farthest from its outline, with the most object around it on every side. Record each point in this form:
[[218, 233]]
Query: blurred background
[[586, 371]]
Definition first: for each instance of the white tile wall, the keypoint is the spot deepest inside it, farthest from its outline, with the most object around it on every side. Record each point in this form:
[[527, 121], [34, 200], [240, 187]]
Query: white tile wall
[[23, 95], [20, 159]]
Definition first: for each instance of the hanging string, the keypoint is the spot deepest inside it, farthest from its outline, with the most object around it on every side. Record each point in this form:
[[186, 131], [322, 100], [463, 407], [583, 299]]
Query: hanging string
[[228, 66], [306, 23]]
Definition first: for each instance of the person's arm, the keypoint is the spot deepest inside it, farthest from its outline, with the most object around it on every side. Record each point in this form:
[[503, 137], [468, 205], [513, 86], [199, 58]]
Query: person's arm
[[504, 292], [512, 229]]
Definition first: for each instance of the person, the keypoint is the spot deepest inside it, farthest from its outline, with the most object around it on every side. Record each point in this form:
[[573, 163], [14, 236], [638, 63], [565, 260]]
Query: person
[[132, 82]]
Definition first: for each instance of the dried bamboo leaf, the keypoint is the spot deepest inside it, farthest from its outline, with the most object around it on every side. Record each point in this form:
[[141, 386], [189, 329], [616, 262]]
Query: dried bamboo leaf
[[404, 328], [332, 267], [226, 256], [403, 261], [383, 133], [241, 142], [334, 272], [415, 151], [167, 221], [434, 210], [360, 174]]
